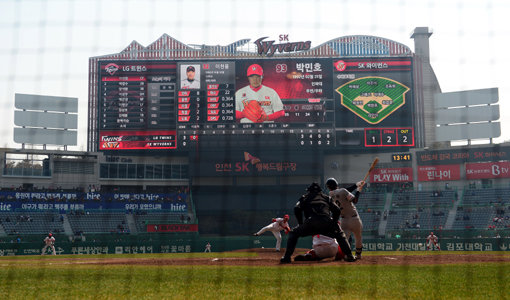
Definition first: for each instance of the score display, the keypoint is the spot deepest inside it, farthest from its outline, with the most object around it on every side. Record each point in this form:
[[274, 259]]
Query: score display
[[329, 103]]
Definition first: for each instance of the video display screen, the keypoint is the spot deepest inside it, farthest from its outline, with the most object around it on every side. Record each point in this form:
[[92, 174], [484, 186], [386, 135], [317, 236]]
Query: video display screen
[[322, 103]]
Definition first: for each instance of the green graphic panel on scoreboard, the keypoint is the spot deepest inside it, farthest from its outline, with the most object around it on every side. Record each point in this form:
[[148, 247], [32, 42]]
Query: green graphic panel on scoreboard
[[373, 98]]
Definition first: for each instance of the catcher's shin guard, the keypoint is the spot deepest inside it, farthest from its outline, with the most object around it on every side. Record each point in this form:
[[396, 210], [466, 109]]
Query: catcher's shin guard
[[358, 252]]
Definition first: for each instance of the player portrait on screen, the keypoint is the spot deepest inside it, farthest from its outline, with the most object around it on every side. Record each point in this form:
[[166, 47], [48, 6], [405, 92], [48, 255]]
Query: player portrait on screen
[[190, 77], [257, 103]]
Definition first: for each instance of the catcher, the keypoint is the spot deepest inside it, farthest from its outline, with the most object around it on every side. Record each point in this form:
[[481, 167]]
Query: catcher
[[323, 247], [257, 103], [320, 217]]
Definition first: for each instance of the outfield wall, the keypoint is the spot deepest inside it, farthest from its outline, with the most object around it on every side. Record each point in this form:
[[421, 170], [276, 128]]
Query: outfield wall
[[175, 244]]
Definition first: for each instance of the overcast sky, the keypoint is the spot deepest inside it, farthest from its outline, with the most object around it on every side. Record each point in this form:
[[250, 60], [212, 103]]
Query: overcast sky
[[46, 44]]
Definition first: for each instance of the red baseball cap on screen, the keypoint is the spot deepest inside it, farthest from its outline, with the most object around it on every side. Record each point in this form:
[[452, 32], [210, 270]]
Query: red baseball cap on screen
[[254, 70]]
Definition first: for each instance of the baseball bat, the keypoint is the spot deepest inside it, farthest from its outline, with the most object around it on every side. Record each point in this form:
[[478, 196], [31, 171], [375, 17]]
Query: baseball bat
[[374, 163]]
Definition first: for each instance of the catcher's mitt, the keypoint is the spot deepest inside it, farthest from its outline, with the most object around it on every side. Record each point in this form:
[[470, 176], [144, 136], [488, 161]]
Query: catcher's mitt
[[254, 112]]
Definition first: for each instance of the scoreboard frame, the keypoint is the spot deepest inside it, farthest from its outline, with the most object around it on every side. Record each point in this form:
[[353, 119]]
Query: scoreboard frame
[[323, 91]]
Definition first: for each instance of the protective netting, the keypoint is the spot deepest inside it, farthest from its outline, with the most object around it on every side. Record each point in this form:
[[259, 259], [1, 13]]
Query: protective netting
[[135, 202]]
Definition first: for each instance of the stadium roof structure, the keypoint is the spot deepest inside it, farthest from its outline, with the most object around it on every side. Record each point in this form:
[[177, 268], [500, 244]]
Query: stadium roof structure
[[166, 47]]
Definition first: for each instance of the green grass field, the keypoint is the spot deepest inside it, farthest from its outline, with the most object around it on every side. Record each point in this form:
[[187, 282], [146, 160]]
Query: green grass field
[[36, 277]]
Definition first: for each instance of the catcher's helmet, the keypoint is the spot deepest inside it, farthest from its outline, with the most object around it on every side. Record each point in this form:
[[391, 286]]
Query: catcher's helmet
[[314, 187], [332, 184]]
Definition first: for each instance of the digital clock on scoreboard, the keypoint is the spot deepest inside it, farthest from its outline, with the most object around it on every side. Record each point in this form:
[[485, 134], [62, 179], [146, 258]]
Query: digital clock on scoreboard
[[401, 157]]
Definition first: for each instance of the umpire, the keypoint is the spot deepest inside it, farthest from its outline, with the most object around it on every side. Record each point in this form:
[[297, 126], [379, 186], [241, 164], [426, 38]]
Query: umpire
[[317, 208]]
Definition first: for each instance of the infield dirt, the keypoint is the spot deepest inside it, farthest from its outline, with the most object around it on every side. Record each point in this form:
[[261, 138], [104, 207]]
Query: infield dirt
[[268, 257]]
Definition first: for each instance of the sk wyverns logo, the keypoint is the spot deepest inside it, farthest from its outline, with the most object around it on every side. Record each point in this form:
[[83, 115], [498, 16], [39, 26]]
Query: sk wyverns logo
[[269, 48], [340, 65], [111, 68]]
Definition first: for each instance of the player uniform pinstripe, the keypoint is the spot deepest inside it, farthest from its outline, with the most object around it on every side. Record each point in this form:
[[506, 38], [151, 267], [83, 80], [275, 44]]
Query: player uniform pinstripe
[[350, 221], [266, 96]]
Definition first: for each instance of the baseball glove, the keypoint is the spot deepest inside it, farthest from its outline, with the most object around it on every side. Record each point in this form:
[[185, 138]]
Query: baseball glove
[[254, 112]]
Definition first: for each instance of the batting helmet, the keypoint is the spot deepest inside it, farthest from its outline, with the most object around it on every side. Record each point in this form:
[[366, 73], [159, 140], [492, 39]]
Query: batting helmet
[[332, 184], [254, 70]]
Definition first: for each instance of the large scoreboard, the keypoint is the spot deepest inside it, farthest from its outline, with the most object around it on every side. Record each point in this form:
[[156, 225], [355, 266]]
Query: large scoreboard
[[346, 104]]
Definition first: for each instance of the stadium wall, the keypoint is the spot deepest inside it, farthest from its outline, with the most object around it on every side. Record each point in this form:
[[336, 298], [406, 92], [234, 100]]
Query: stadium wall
[[177, 244]]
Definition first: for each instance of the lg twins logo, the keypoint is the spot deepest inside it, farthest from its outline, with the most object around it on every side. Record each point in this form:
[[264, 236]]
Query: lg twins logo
[[111, 142], [111, 68]]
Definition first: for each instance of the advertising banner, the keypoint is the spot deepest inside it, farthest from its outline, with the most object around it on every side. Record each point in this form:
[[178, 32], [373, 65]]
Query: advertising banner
[[41, 201], [172, 228], [462, 155], [439, 173], [391, 175], [243, 163], [180, 244], [488, 170]]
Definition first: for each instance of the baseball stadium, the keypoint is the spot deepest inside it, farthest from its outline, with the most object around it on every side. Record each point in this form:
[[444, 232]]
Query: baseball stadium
[[195, 151]]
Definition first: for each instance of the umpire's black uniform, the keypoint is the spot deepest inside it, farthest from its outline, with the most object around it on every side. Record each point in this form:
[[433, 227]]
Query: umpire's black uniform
[[317, 208]]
